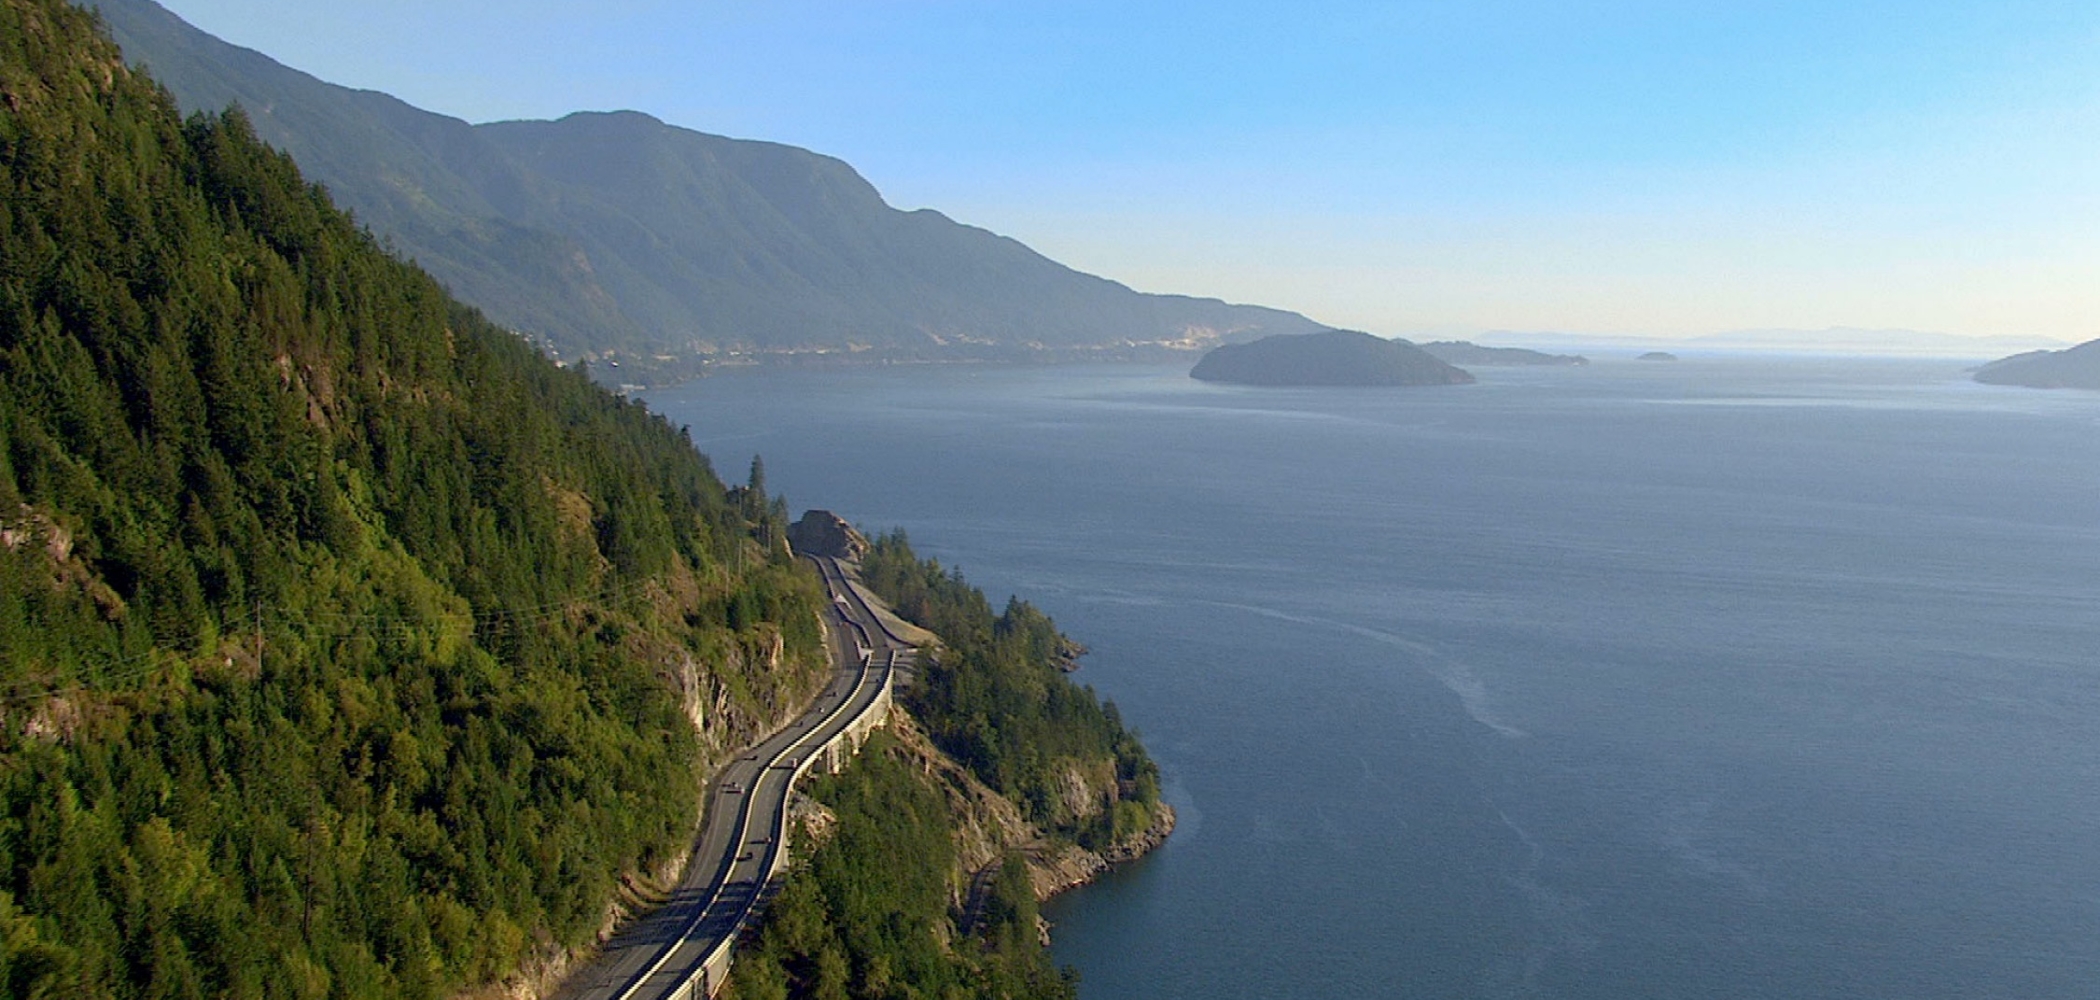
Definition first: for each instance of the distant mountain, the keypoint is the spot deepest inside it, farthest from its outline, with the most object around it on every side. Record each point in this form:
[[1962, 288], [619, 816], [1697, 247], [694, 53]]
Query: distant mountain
[[615, 231], [2075, 368], [1465, 352], [1332, 357], [1549, 339], [1854, 340], [1831, 340]]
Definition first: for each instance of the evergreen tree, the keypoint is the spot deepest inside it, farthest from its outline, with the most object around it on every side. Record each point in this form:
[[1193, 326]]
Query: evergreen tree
[[345, 642]]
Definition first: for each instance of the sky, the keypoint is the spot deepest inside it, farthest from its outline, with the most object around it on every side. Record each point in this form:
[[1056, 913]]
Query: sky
[[1667, 168]]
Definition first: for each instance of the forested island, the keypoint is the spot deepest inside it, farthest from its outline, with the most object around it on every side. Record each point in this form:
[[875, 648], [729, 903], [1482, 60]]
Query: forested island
[[1329, 358], [1465, 352], [350, 648], [2072, 368]]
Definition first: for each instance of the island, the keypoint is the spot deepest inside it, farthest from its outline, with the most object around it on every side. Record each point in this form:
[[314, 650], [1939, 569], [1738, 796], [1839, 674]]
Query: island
[[1657, 356], [1328, 358], [1465, 352], [2071, 368]]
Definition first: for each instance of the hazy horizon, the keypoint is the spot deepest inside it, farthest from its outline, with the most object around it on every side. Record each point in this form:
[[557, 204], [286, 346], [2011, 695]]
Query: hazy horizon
[[1415, 170]]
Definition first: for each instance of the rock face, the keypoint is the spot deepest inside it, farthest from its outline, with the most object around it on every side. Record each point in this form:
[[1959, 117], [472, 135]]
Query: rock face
[[2072, 368], [823, 533], [1465, 352], [1055, 869], [1333, 357]]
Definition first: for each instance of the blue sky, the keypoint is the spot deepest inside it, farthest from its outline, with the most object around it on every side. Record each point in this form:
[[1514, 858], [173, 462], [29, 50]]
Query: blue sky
[[1632, 168]]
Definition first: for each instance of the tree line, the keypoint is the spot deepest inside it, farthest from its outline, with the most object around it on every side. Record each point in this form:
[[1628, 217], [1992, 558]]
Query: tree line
[[996, 697], [347, 646]]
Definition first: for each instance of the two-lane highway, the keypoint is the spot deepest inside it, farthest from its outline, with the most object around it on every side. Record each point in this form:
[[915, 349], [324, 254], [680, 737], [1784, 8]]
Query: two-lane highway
[[681, 951]]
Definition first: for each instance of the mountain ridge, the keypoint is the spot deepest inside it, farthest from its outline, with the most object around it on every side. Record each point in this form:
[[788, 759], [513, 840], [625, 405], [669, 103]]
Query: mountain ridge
[[615, 233], [1827, 340]]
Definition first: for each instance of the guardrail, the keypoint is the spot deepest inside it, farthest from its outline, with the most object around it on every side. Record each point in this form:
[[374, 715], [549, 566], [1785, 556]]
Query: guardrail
[[831, 567], [706, 978]]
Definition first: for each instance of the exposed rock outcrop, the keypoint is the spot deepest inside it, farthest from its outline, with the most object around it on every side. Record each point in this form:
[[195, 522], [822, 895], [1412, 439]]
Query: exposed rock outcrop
[[1056, 869], [823, 533], [988, 825]]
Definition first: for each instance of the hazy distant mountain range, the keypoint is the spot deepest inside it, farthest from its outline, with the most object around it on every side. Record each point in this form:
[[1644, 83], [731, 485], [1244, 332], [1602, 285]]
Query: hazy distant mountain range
[[1850, 339], [615, 231], [1465, 352], [1832, 340]]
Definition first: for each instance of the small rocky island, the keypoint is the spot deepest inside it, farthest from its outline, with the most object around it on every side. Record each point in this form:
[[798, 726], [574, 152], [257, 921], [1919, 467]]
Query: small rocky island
[[1465, 352], [1657, 356], [1329, 358], [2071, 368]]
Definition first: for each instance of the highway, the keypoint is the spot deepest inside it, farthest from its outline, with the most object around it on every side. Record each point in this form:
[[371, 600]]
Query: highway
[[681, 951]]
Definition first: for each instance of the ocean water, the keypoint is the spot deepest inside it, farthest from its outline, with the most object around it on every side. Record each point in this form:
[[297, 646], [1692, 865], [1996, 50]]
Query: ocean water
[[1722, 678]]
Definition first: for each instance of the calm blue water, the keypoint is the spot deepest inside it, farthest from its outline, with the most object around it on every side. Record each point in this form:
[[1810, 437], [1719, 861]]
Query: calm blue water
[[1725, 678]]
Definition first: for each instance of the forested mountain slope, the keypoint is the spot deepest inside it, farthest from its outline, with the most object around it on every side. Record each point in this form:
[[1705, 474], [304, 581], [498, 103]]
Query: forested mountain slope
[[348, 648], [616, 231], [1020, 783]]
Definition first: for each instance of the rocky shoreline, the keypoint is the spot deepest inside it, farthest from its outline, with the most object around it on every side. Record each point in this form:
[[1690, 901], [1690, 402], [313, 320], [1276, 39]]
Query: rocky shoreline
[[1071, 866]]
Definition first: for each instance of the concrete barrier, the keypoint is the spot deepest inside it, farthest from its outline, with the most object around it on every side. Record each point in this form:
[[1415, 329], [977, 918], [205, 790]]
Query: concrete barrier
[[832, 753], [707, 979]]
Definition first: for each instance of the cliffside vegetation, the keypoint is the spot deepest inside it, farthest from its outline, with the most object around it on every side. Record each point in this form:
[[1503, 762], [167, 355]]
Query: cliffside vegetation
[[348, 648], [853, 922], [995, 697]]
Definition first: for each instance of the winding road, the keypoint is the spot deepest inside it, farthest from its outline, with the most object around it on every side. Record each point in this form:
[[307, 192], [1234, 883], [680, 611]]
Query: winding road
[[681, 951]]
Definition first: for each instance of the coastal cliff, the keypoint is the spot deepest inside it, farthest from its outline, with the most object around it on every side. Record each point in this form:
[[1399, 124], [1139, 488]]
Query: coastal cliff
[[996, 784]]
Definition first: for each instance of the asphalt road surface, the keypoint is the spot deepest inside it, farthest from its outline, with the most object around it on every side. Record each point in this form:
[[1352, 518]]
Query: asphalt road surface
[[661, 956]]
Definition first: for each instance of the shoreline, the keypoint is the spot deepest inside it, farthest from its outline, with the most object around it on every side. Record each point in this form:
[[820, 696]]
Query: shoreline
[[1073, 867]]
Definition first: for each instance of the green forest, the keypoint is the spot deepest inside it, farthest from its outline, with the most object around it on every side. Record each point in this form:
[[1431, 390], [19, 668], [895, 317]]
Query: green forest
[[995, 696], [348, 648], [851, 923]]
